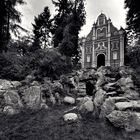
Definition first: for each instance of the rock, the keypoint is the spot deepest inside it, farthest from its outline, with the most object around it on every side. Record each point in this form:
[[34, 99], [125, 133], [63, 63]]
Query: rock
[[79, 99], [125, 83], [32, 97], [113, 93], [52, 99], [35, 83], [128, 105], [9, 110], [5, 84], [107, 107], [136, 121], [16, 84], [29, 78], [69, 100], [131, 94], [99, 97], [118, 99], [12, 99], [126, 71], [100, 82], [86, 106], [57, 87], [70, 117], [120, 118], [130, 121], [44, 106], [104, 70], [109, 87]]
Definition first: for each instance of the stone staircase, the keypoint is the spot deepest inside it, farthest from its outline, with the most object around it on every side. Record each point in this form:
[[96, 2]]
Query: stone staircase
[[81, 89]]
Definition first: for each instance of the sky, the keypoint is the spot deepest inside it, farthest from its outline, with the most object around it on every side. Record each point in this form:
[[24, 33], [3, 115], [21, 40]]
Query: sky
[[113, 9]]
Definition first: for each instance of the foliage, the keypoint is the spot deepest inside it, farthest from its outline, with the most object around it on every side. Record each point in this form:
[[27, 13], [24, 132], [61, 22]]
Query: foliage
[[133, 22], [63, 8], [52, 64], [13, 67], [9, 19], [19, 61], [132, 56], [133, 15], [67, 24], [42, 29]]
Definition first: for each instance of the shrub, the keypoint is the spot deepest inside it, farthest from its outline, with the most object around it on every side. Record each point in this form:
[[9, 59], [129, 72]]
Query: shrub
[[41, 63]]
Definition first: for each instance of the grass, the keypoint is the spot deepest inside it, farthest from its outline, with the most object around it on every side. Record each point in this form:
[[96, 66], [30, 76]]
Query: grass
[[49, 125]]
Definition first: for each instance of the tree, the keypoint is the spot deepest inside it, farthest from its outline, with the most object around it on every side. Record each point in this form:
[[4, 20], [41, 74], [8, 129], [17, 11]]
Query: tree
[[42, 29], [63, 8], [9, 17], [68, 23], [133, 15]]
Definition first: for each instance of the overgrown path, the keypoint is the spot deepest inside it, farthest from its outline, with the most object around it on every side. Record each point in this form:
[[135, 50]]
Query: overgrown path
[[49, 125]]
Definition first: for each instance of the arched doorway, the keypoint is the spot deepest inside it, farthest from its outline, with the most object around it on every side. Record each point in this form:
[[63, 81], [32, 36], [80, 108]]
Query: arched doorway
[[100, 60]]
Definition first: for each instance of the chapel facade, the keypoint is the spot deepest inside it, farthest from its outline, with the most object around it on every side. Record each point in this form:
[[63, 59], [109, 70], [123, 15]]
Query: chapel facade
[[104, 45]]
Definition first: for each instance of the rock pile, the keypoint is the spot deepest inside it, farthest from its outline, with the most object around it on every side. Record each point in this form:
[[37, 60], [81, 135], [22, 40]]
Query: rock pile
[[106, 93], [117, 98]]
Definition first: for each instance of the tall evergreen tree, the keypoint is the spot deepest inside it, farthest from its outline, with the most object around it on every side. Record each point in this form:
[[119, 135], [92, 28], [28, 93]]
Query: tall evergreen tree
[[133, 15], [42, 29], [70, 29], [9, 17]]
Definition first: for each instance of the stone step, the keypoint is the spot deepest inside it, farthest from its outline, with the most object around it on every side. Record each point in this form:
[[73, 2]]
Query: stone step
[[128, 105]]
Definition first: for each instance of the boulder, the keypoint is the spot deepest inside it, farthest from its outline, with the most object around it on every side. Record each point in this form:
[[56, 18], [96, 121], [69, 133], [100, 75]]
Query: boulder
[[16, 84], [99, 98], [107, 107], [104, 70], [79, 99], [12, 99], [131, 94], [110, 87], [5, 84], [9, 110], [100, 82], [44, 106], [136, 120], [125, 83], [130, 121], [119, 118], [86, 106], [70, 117], [35, 83], [69, 100], [126, 71], [29, 78], [32, 97], [128, 105]]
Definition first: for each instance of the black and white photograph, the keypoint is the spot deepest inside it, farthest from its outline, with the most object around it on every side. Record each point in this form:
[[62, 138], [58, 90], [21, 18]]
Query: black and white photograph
[[69, 70]]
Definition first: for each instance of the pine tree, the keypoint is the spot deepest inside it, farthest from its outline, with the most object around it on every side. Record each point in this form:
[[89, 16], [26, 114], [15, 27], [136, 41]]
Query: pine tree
[[42, 29], [63, 8], [9, 19], [69, 44]]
